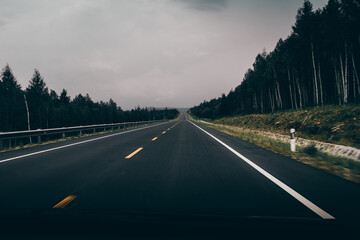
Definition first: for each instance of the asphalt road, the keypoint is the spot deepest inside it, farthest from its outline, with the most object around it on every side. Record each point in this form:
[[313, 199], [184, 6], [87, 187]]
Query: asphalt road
[[173, 167]]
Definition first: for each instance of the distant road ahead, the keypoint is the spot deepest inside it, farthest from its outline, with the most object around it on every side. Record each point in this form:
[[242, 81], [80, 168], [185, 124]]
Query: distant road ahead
[[176, 167]]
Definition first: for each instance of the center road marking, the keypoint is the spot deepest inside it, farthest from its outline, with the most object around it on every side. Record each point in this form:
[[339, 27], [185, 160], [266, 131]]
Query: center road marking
[[163, 132], [282, 185], [132, 154], [65, 202], [154, 139], [175, 124]]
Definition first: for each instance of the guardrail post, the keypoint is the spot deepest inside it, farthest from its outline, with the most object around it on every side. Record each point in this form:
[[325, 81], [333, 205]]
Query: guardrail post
[[104, 129], [63, 135], [39, 139], [292, 140], [80, 134], [94, 130]]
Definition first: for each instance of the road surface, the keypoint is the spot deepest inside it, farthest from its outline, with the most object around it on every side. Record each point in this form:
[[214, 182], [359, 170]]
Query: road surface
[[176, 167]]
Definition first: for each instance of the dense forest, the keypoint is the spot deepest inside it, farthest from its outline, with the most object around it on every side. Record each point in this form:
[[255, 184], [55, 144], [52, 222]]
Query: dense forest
[[37, 107], [317, 64]]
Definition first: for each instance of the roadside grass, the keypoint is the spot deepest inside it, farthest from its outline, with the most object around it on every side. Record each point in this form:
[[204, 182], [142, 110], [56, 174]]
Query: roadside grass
[[330, 123], [342, 167], [46, 142]]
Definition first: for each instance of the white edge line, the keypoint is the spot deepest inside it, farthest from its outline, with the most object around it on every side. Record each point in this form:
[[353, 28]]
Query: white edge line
[[77, 143], [282, 185]]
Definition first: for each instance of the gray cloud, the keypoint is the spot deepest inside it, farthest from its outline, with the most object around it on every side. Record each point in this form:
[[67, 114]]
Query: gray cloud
[[206, 5], [2, 22]]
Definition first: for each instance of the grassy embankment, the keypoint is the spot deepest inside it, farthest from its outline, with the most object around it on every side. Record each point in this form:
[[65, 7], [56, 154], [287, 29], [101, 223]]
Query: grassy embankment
[[333, 124]]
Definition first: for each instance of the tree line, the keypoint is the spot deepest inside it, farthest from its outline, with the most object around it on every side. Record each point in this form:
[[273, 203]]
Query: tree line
[[317, 64], [37, 108]]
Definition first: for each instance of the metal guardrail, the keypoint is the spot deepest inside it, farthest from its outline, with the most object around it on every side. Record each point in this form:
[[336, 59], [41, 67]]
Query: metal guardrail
[[8, 136]]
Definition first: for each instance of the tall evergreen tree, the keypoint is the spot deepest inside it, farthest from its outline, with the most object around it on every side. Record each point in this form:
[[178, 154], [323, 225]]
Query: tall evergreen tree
[[11, 101], [64, 98], [38, 97]]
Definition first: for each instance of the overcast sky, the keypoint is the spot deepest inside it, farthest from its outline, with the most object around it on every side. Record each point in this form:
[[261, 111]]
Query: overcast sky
[[158, 53]]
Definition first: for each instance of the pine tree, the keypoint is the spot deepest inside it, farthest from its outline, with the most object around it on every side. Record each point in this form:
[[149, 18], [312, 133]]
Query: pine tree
[[11, 101], [38, 97]]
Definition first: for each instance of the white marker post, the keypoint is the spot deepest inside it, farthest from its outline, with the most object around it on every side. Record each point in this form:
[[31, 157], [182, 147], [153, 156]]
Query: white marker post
[[292, 140]]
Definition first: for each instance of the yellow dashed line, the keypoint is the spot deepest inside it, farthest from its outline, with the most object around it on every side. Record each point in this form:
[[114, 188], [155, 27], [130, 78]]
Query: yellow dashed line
[[154, 139], [65, 202], [175, 124], [167, 130], [132, 154]]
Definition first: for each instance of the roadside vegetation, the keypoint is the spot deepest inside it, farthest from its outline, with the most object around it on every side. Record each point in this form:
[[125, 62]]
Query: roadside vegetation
[[332, 124], [317, 64]]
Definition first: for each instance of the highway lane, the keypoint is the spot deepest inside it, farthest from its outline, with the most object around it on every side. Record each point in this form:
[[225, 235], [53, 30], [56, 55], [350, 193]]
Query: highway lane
[[40, 181], [172, 168], [337, 196]]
